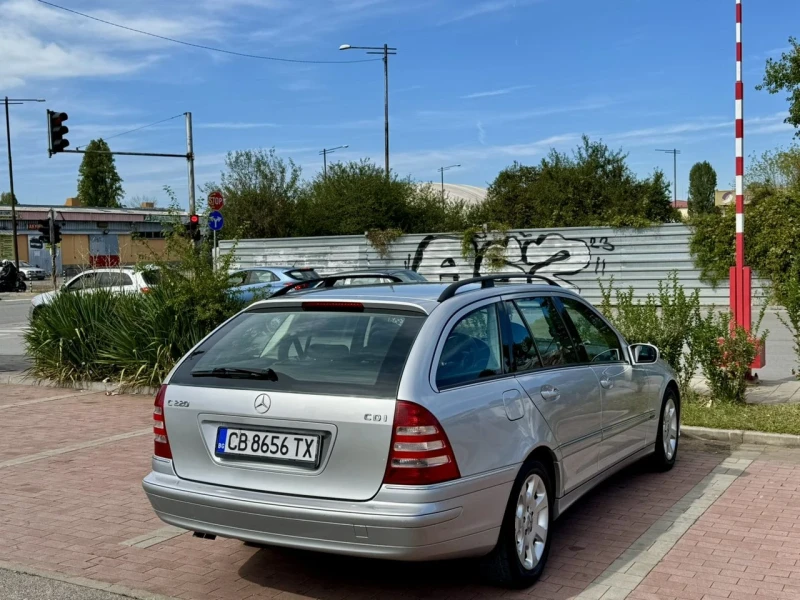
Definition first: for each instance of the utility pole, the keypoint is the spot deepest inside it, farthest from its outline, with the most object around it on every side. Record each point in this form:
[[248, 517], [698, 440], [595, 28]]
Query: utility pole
[[674, 153], [190, 161], [386, 51], [324, 152], [441, 171], [53, 247], [11, 174]]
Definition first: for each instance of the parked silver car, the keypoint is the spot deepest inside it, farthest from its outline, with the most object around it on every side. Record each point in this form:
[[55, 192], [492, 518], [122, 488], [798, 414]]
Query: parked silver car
[[407, 421]]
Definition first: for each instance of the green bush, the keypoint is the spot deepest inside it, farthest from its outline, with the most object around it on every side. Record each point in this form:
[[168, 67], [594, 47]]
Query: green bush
[[725, 352], [789, 297], [666, 320], [134, 339]]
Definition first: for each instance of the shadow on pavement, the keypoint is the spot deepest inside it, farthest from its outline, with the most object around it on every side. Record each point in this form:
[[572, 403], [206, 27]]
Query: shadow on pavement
[[587, 539]]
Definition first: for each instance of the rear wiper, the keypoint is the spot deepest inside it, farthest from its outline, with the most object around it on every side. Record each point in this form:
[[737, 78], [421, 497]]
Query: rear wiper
[[231, 372]]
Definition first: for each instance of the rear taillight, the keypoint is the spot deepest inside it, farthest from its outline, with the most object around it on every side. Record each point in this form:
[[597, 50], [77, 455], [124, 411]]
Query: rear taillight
[[161, 447], [145, 290], [420, 453]]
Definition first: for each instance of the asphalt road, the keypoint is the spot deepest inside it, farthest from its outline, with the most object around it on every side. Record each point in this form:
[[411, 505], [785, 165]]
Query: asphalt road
[[18, 586], [13, 321]]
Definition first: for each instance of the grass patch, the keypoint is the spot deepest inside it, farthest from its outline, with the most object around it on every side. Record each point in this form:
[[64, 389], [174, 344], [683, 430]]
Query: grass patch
[[775, 418]]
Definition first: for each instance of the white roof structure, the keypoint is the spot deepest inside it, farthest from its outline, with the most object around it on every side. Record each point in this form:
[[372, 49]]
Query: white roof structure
[[470, 194]]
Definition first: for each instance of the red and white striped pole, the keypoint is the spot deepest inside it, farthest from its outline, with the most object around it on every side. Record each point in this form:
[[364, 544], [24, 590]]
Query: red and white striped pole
[[740, 275]]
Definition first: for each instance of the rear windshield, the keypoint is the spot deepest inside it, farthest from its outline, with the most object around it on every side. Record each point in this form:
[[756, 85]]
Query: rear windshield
[[303, 274], [318, 352], [152, 277]]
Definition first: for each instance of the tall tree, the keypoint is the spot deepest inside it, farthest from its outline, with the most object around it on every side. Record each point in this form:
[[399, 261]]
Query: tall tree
[[784, 74], [591, 186], [261, 191], [702, 185], [99, 184], [5, 199]]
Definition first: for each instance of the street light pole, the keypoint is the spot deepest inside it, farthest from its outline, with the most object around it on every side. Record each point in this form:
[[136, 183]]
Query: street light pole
[[324, 152], [674, 153], [441, 171], [11, 173], [386, 51]]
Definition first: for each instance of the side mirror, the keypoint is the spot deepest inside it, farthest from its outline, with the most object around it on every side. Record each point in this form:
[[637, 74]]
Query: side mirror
[[644, 354]]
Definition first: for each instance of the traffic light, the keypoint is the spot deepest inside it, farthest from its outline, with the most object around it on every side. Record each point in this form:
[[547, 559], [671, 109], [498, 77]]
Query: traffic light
[[193, 228], [56, 131], [56, 233], [44, 229]]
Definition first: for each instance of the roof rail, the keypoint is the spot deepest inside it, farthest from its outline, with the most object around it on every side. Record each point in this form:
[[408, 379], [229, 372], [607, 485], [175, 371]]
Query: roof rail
[[328, 282], [487, 281]]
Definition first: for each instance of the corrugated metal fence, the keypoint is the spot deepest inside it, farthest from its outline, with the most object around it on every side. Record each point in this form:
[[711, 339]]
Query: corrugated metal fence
[[579, 257]]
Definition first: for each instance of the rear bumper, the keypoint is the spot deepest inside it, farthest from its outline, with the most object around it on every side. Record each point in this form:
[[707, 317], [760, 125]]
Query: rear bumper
[[452, 520]]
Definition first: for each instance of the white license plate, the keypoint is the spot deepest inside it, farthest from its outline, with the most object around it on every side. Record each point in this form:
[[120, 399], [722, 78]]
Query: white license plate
[[267, 444]]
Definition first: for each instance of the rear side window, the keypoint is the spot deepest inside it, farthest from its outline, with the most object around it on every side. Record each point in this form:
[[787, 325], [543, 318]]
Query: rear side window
[[597, 338], [318, 352], [549, 332], [472, 349], [524, 354], [151, 277], [262, 277], [303, 274]]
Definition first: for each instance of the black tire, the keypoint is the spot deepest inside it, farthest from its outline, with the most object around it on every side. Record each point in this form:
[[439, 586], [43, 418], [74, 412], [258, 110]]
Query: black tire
[[662, 460], [503, 565]]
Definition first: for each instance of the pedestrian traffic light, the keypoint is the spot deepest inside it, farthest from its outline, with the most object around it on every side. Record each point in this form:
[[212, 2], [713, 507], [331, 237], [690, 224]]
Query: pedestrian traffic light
[[56, 131], [193, 228], [44, 229], [56, 233]]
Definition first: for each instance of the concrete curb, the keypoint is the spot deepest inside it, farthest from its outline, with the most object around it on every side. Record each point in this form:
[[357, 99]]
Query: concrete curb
[[109, 388], [741, 436]]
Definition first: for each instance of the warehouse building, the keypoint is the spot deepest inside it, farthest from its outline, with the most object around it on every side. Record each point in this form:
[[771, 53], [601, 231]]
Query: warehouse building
[[91, 237]]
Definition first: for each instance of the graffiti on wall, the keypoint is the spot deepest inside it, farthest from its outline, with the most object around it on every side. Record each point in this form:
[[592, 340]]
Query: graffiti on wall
[[549, 254]]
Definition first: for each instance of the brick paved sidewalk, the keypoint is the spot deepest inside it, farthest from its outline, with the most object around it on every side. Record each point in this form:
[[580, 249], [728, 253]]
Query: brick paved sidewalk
[[721, 524]]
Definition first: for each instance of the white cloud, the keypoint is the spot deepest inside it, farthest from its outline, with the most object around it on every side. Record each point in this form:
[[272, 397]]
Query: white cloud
[[485, 8], [234, 125], [481, 133], [499, 92]]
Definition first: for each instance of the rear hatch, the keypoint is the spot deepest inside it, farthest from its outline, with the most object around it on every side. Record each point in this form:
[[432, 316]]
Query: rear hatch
[[292, 400]]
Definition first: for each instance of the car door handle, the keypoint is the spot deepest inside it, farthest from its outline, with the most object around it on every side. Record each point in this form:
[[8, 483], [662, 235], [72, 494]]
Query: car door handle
[[607, 383], [550, 393]]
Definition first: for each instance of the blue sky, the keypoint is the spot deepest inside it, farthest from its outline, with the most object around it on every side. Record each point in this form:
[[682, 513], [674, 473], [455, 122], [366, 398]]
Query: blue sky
[[476, 82]]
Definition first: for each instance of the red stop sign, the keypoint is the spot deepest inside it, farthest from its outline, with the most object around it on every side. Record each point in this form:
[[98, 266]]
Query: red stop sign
[[216, 200]]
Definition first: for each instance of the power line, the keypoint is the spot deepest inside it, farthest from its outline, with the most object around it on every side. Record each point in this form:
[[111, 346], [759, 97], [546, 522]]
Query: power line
[[137, 129], [203, 47]]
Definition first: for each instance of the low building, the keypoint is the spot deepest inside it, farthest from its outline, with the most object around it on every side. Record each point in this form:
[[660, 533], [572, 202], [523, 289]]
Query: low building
[[90, 236]]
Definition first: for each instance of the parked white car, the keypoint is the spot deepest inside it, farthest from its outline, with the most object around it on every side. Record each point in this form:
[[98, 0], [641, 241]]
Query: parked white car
[[117, 280], [30, 272]]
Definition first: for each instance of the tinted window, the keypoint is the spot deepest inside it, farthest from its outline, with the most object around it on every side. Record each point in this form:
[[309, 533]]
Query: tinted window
[[84, 282], [303, 274], [549, 332], [524, 354], [597, 338], [107, 279], [238, 278], [334, 353], [472, 349], [262, 277], [151, 277]]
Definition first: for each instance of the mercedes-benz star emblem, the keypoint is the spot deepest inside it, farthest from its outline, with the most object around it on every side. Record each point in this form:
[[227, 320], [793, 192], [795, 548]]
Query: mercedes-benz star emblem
[[262, 403]]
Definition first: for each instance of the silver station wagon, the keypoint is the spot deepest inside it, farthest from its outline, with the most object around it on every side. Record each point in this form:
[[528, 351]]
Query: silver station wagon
[[409, 421]]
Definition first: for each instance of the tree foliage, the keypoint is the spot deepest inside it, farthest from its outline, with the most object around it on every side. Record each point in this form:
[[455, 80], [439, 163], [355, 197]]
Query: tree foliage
[[5, 199], [702, 185], [99, 184], [592, 186], [771, 226], [261, 192], [784, 75]]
